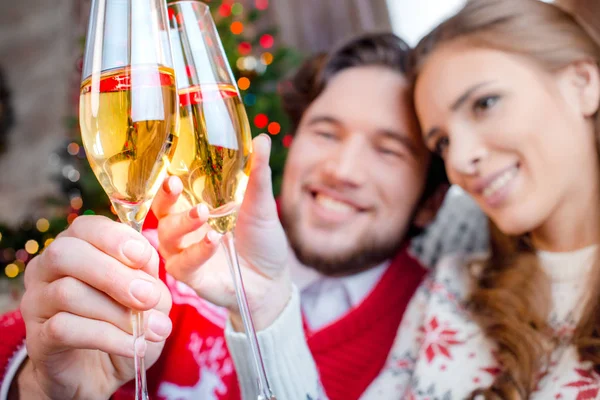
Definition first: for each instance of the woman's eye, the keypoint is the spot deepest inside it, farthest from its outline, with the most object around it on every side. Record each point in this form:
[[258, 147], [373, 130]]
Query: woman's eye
[[440, 146], [485, 103]]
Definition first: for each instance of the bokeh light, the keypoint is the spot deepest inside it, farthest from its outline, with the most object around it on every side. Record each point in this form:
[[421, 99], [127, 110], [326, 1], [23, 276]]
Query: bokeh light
[[42, 225], [274, 128], [11, 270], [237, 27], [32, 247], [266, 58], [243, 83], [261, 120]]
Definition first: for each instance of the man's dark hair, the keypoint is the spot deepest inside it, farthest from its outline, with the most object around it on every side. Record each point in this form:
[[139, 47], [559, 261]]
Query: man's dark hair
[[374, 49]]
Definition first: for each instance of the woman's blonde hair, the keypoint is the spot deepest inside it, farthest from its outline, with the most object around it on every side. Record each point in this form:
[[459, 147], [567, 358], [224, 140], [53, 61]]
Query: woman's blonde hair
[[511, 294]]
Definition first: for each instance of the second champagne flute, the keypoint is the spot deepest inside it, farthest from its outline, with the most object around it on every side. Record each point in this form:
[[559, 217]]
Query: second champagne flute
[[215, 143]]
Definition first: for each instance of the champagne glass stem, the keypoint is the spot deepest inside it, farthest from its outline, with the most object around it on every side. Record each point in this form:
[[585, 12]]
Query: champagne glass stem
[[139, 342], [264, 389]]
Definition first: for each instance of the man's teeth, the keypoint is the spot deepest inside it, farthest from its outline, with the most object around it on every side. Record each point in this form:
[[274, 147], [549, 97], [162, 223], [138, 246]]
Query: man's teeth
[[333, 205], [499, 182]]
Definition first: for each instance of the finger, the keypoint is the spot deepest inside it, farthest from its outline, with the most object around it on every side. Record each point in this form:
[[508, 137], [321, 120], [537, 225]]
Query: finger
[[76, 258], [167, 196], [115, 239], [66, 331], [75, 297], [258, 200], [185, 263], [173, 228]]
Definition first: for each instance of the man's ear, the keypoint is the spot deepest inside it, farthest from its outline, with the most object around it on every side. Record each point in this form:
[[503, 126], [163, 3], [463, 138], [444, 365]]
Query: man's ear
[[429, 208]]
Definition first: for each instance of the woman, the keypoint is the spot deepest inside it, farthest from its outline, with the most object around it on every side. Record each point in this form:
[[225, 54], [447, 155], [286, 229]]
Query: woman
[[507, 92]]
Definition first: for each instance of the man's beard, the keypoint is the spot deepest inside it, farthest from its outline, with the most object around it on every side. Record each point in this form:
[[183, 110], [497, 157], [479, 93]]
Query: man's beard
[[370, 251]]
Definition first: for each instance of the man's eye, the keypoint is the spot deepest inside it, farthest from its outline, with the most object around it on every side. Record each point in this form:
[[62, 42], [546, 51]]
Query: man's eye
[[326, 135]]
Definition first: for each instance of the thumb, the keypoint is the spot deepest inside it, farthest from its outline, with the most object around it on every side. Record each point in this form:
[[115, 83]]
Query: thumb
[[258, 200]]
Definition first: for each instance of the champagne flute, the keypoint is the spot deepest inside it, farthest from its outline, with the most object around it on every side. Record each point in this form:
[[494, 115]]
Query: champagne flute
[[215, 142], [128, 115]]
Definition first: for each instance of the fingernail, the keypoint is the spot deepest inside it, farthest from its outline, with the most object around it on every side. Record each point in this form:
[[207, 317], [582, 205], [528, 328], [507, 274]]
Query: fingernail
[[134, 250], [167, 186], [199, 211], [142, 290], [159, 324], [213, 237], [268, 137]]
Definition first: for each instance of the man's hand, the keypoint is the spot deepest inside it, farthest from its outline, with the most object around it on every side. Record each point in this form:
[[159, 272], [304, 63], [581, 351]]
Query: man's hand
[[190, 247]]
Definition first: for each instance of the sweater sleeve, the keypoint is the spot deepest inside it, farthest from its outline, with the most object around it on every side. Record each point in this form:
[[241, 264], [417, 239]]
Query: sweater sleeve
[[291, 370], [12, 349]]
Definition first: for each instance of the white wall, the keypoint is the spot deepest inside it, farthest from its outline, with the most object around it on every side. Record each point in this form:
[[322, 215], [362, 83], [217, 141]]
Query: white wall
[[412, 19]]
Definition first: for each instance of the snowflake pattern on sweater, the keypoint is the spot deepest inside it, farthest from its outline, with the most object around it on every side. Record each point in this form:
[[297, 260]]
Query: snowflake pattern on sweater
[[441, 353]]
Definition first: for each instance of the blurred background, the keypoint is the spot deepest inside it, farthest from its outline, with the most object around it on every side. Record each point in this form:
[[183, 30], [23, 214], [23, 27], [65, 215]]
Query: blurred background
[[46, 182]]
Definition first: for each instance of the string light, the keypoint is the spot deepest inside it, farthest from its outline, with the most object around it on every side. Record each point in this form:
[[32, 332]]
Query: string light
[[267, 41], [266, 58], [89, 212], [76, 203], [71, 217], [48, 241], [225, 10], [22, 255], [287, 141], [32, 247], [243, 83], [74, 175], [73, 149], [11, 270], [244, 48], [237, 9], [239, 63], [274, 128], [237, 27], [250, 63], [250, 99], [261, 120], [262, 4], [42, 225], [0, 236]]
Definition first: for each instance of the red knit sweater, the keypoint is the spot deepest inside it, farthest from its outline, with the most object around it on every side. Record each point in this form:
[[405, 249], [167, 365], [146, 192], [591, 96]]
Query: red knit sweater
[[196, 364], [351, 351]]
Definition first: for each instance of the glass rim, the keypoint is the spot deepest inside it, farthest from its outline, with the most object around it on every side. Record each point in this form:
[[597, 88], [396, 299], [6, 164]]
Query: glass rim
[[201, 3]]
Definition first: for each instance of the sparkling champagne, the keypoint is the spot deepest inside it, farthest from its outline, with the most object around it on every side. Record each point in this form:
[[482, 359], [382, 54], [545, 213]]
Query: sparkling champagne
[[212, 156], [128, 124]]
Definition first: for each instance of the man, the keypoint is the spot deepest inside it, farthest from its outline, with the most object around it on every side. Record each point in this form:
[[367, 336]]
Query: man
[[355, 180]]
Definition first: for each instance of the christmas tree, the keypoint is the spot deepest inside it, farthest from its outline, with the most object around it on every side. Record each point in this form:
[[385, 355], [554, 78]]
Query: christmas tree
[[259, 64]]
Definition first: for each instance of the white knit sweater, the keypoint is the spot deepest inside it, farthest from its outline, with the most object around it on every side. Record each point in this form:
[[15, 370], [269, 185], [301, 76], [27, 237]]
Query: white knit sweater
[[439, 352]]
